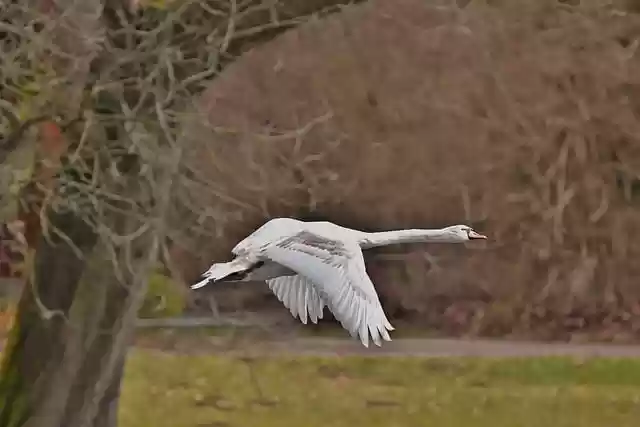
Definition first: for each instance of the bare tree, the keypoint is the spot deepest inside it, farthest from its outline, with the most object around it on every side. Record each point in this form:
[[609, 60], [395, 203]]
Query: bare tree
[[111, 86]]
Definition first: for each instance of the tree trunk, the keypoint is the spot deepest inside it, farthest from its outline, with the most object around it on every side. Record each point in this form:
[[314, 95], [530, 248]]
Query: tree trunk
[[108, 410], [36, 345], [69, 336]]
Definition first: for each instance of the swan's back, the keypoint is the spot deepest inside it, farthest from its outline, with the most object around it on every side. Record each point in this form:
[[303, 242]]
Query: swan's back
[[269, 232], [333, 231], [278, 228]]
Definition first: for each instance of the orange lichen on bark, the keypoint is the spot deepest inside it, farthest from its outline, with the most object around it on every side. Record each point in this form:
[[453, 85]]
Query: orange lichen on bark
[[51, 147]]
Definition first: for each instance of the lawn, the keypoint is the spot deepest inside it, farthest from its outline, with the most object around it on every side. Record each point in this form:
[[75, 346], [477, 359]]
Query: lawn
[[171, 390]]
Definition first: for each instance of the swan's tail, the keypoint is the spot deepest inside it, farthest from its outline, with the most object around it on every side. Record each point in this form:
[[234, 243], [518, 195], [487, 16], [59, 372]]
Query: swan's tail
[[221, 270]]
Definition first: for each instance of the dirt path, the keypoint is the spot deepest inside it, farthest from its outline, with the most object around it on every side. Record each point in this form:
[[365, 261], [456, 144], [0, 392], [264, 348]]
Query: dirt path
[[282, 336], [405, 347], [262, 342], [401, 347]]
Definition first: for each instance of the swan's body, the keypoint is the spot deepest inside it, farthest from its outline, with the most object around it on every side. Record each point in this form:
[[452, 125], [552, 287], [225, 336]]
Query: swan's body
[[310, 265]]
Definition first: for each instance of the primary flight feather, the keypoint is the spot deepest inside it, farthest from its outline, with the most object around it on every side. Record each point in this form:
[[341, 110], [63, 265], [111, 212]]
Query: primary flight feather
[[310, 265]]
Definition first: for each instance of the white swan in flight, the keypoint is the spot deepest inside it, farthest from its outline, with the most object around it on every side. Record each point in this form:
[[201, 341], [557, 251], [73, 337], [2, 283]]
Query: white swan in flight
[[310, 265]]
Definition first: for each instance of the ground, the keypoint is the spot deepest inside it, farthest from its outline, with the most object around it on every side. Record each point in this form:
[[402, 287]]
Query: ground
[[168, 388], [228, 378]]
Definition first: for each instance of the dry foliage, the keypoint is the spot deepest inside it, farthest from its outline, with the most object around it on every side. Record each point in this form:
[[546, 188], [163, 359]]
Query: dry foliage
[[520, 120], [517, 118]]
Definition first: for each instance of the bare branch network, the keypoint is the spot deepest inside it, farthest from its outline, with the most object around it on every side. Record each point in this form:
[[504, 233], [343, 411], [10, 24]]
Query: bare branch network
[[143, 82], [93, 122]]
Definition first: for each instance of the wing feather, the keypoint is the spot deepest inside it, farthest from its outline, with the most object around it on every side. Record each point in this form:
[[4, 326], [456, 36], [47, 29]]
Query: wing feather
[[299, 296], [336, 270]]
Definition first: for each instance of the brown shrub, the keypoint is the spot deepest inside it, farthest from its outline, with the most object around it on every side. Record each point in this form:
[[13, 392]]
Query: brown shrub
[[520, 121]]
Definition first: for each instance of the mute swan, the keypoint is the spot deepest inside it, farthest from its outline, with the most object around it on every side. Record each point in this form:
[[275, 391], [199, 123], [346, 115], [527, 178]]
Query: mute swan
[[310, 265]]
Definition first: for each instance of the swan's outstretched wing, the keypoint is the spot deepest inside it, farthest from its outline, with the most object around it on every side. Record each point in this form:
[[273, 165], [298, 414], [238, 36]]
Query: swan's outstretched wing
[[299, 296], [337, 270]]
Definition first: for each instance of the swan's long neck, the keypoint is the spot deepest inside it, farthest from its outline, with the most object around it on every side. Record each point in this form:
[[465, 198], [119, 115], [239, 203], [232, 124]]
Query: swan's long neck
[[383, 238]]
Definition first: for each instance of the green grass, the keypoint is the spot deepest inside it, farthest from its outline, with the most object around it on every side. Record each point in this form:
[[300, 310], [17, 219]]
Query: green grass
[[210, 391]]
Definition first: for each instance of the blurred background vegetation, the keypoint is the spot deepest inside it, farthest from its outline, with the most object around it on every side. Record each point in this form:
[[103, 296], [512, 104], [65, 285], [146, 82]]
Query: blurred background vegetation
[[517, 117]]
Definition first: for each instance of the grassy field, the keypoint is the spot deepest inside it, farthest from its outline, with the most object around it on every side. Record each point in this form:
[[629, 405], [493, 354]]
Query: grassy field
[[163, 389]]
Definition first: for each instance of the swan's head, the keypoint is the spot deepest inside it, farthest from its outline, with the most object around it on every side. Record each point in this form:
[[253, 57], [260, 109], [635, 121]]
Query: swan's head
[[462, 233]]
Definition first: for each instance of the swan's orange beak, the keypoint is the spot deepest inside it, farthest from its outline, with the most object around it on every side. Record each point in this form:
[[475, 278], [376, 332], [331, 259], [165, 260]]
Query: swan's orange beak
[[476, 236]]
